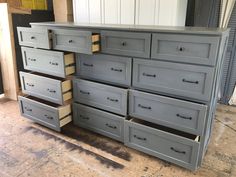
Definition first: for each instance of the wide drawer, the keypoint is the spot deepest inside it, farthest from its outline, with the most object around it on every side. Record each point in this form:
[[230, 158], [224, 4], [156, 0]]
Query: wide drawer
[[109, 98], [48, 114], [99, 121], [107, 68], [170, 145], [178, 114], [126, 43], [34, 37], [175, 79], [185, 48], [50, 89], [54, 63], [75, 41]]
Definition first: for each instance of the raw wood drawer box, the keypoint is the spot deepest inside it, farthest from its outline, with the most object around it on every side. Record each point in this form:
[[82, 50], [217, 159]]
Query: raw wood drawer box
[[153, 88]]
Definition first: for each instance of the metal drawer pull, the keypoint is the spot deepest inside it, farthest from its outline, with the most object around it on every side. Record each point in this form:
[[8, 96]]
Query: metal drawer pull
[[30, 85], [118, 70], [83, 117], [32, 37], [175, 150], [111, 126], [144, 107], [183, 117], [139, 138], [51, 91], [112, 99], [53, 63], [123, 43], [181, 49], [90, 65], [70, 41], [48, 117], [192, 82], [149, 75], [83, 92], [32, 59], [27, 109]]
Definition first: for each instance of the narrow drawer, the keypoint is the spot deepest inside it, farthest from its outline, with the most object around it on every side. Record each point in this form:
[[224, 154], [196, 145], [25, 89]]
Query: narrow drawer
[[48, 114], [107, 68], [175, 79], [178, 114], [126, 43], [185, 48], [54, 63], [109, 98], [167, 144], [50, 89], [34, 37], [99, 121], [76, 41]]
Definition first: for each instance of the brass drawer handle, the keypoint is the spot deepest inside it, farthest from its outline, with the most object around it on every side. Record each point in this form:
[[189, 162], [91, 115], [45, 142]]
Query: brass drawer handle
[[28, 109], [183, 117], [111, 126], [83, 117], [178, 151], [144, 107], [149, 75], [48, 117], [192, 82], [118, 70], [123, 43], [51, 90], [53, 63], [30, 85], [89, 65], [112, 99], [140, 138], [180, 48], [83, 92]]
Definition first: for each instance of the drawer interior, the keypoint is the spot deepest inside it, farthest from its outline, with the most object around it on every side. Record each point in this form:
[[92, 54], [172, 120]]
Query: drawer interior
[[166, 129], [69, 58], [95, 42]]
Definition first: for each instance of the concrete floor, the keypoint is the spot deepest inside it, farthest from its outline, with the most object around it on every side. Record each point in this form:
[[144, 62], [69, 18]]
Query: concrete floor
[[27, 149]]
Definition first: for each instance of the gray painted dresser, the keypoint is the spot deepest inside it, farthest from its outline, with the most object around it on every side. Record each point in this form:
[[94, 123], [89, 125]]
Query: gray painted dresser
[[153, 88]]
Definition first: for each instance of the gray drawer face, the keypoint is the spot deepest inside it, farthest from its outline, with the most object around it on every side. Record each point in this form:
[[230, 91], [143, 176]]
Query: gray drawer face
[[106, 68], [44, 61], [42, 87], [173, 148], [34, 37], [175, 79], [185, 48], [99, 121], [126, 43], [73, 41], [102, 96], [174, 113]]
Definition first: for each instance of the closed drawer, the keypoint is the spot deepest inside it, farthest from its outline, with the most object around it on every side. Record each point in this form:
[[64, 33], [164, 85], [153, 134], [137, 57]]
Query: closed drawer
[[175, 79], [167, 144], [112, 99], [178, 114], [185, 48], [34, 37], [99, 121], [50, 89], [107, 68], [48, 114], [48, 62], [75, 41], [126, 43]]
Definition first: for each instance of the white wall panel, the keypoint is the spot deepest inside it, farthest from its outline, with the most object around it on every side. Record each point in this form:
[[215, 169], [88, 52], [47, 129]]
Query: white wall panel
[[81, 11], [95, 15], [127, 11], [112, 11]]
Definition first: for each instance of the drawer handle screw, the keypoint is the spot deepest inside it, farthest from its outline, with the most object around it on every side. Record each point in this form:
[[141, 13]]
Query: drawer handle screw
[[110, 126], [181, 49], [123, 43], [175, 150], [139, 138], [32, 37], [183, 117], [192, 82], [70, 41], [144, 107]]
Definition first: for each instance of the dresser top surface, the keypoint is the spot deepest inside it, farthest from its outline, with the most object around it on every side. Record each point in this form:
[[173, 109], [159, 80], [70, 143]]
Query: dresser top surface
[[141, 28]]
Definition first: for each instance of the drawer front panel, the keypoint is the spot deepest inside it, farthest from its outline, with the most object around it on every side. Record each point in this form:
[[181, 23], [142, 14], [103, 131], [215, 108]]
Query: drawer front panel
[[173, 148], [43, 61], [72, 40], [126, 43], [181, 115], [102, 96], [34, 37], [175, 79], [99, 121], [106, 68], [185, 48], [42, 87]]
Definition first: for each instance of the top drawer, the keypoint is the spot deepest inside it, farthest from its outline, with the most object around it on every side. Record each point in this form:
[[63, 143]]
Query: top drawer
[[75, 41], [185, 48], [126, 43], [34, 37]]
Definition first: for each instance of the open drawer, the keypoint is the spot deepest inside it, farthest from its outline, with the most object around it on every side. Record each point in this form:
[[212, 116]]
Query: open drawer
[[51, 89], [48, 114], [165, 143], [76, 41], [50, 62]]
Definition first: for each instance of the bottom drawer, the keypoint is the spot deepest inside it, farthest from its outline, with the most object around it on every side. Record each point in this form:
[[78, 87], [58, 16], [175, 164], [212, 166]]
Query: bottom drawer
[[168, 144], [48, 114], [99, 121]]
